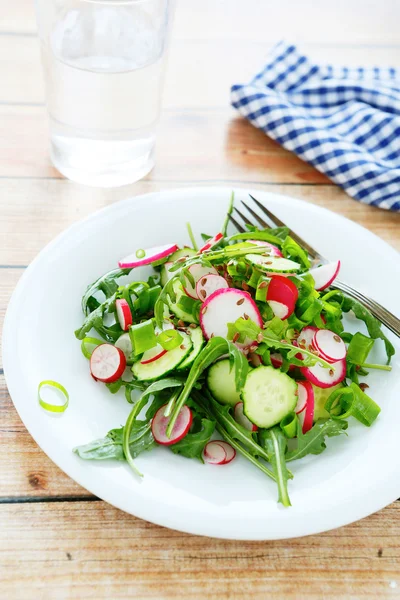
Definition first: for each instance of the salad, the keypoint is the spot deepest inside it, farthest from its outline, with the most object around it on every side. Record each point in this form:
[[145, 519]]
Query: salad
[[236, 347]]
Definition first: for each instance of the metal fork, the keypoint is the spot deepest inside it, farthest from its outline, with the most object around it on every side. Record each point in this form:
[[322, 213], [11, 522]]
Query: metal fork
[[379, 311]]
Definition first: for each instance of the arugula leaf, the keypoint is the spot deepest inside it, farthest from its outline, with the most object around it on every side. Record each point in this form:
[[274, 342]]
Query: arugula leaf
[[106, 284], [313, 442], [373, 325], [214, 348], [192, 445], [94, 320], [275, 444], [110, 447], [291, 249], [231, 440]]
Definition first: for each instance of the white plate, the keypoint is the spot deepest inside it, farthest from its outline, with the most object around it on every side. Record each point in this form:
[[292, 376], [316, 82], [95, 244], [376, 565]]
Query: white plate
[[354, 477]]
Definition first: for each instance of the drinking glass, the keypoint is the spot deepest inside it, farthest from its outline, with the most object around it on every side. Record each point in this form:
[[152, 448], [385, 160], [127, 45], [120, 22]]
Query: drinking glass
[[103, 62]]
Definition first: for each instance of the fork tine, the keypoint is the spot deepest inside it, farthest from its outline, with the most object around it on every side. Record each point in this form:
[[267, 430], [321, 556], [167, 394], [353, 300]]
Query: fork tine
[[277, 222], [236, 224], [311, 251], [256, 216], [245, 219]]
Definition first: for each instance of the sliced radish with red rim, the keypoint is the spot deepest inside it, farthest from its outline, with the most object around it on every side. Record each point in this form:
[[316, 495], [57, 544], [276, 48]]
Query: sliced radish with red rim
[[241, 418], [282, 295], [211, 243], [124, 343], [226, 306], [218, 452], [325, 275], [124, 314], [182, 425], [305, 339], [157, 351], [107, 363], [145, 257], [305, 405], [209, 284], [329, 345], [197, 272], [325, 377]]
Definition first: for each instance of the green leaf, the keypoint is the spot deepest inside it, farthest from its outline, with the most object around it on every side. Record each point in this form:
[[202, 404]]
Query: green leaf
[[264, 236], [192, 445], [214, 348], [275, 444], [106, 284], [373, 325], [110, 447], [94, 320], [313, 442]]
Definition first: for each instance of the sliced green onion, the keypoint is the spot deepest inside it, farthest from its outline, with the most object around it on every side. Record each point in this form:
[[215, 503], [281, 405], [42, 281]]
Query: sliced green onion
[[262, 288], [190, 232], [143, 337], [169, 339], [153, 294], [289, 425], [90, 341], [352, 402], [254, 278], [140, 253], [54, 408], [359, 348]]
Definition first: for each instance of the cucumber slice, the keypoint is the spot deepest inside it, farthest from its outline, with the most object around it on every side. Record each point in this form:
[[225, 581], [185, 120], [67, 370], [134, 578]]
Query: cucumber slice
[[165, 276], [198, 343], [321, 395], [268, 396], [181, 314], [166, 363], [221, 382], [273, 264]]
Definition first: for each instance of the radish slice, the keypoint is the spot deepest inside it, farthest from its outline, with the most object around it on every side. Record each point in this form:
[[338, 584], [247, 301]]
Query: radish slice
[[150, 255], [197, 272], [305, 339], [306, 405], [230, 452], [282, 295], [225, 306], [160, 422], [274, 250], [152, 354], [107, 363], [214, 453], [323, 377], [329, 345], [241, 418], [276, 360], [157, 351], [209, 284], [211, 243], [124, 343], [325, 274], [124, 314]]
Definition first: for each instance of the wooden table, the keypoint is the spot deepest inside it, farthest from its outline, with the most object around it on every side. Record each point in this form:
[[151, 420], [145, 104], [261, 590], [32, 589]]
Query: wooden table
[[58, 541]]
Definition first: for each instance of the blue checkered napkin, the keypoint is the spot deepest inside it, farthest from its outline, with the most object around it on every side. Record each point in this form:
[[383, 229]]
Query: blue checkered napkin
[[344, 121]]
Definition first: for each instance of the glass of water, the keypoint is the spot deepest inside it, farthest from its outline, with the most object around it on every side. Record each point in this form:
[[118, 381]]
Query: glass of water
[[103, 63]]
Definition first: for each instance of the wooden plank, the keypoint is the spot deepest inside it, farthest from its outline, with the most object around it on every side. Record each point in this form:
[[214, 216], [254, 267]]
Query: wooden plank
[[91, 550], [227, 147], [199, 74], [356, 22], [35, 211]]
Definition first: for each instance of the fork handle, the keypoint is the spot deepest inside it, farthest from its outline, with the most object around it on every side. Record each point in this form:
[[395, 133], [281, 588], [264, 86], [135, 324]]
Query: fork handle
[[380, 312]]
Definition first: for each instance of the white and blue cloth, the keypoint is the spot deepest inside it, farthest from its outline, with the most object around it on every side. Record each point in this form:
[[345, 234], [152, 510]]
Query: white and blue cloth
[[344, 121]]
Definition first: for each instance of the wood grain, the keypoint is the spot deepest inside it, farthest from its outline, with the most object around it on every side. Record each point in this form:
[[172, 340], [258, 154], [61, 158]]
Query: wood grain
[[56, 540], [91, 550]]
